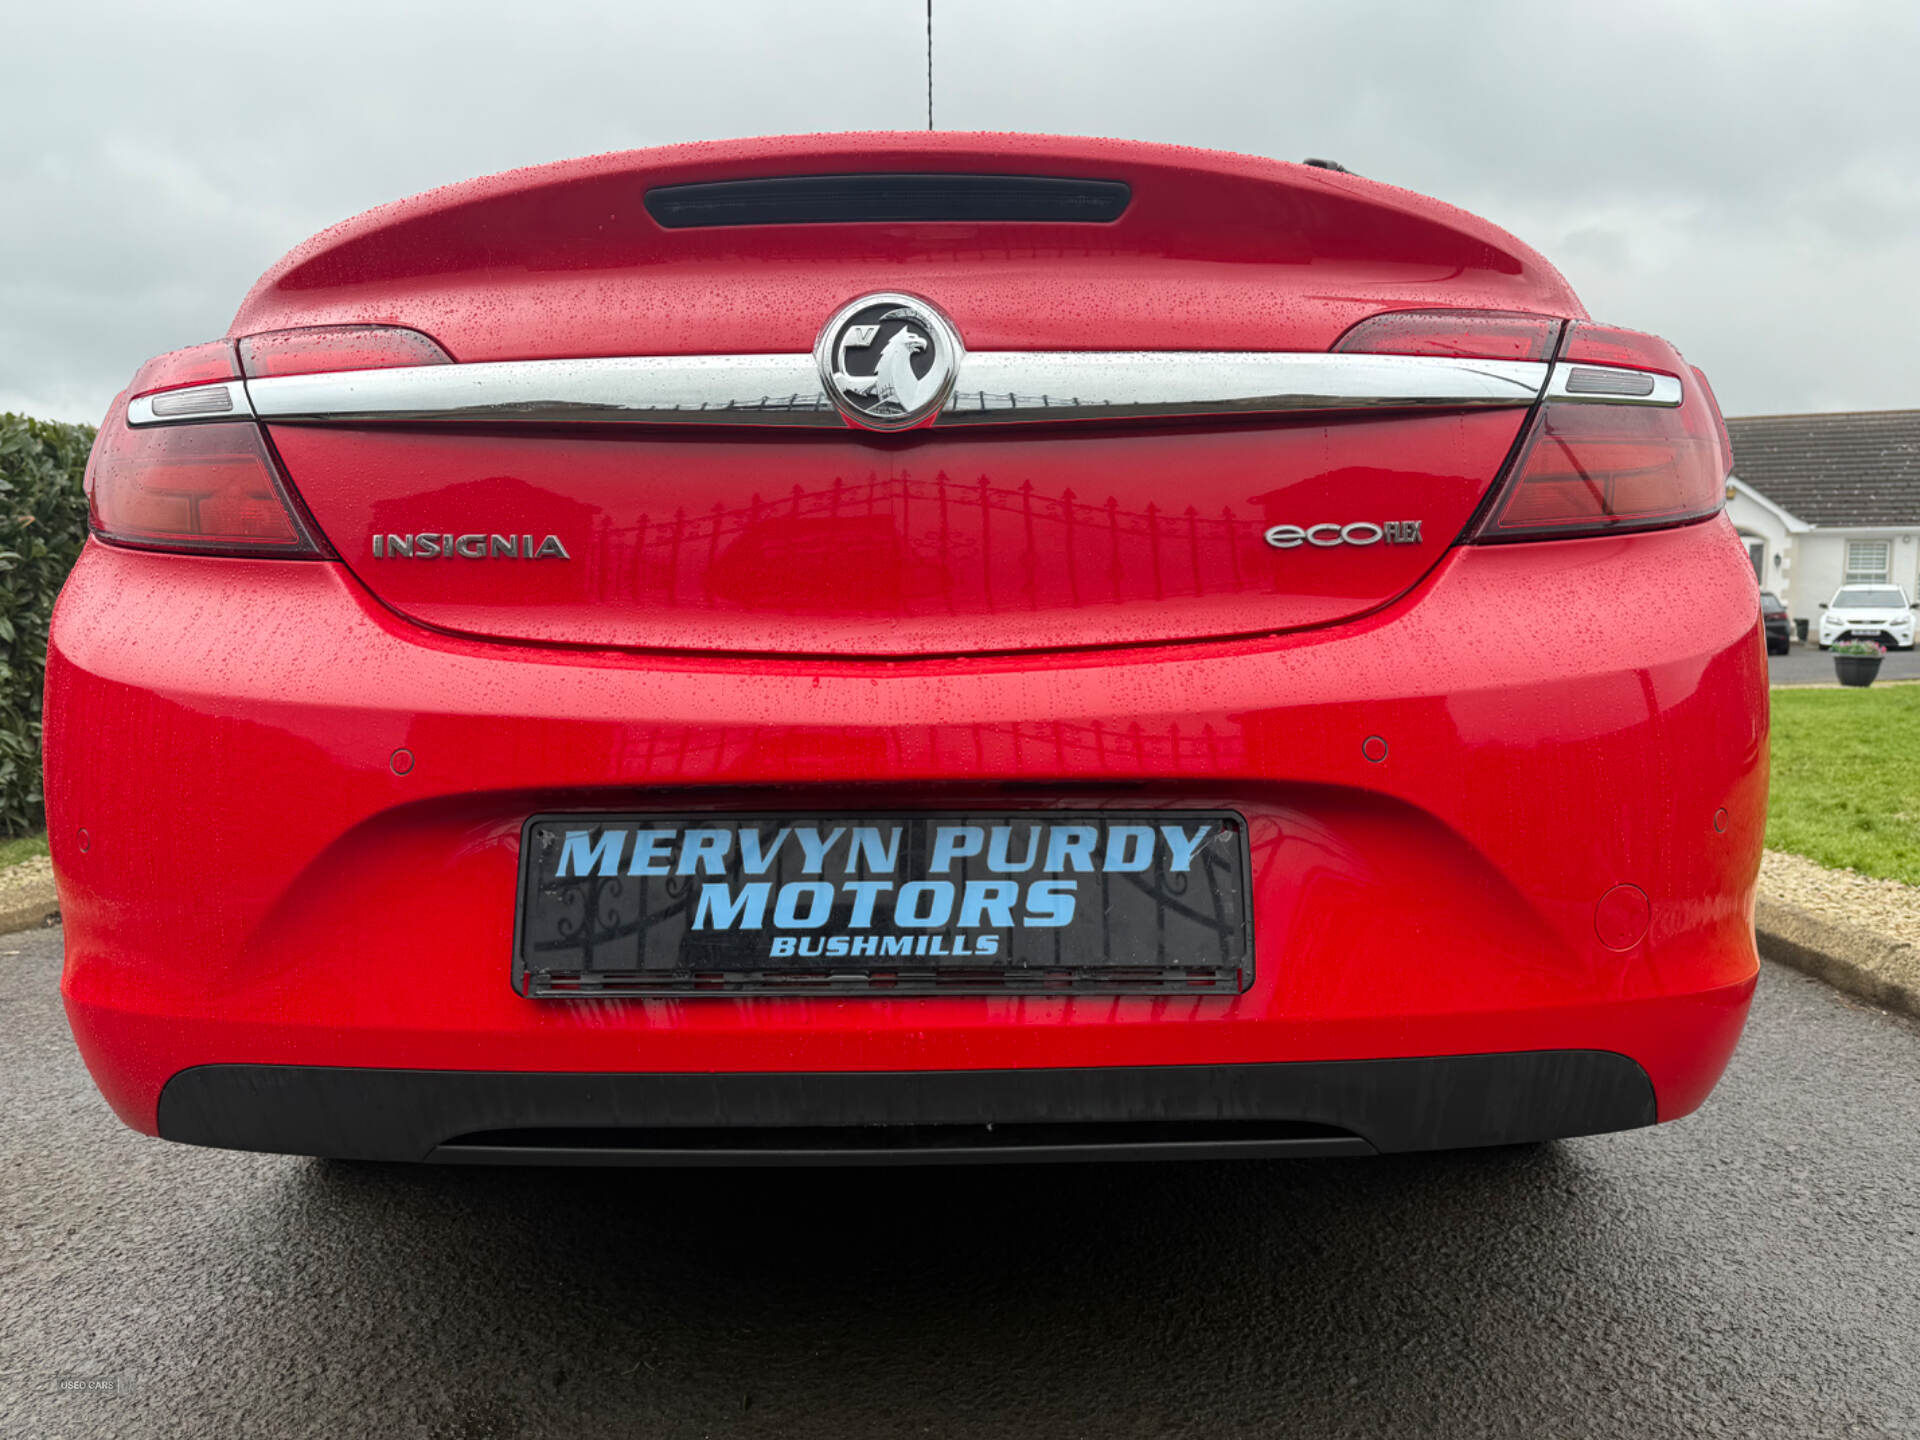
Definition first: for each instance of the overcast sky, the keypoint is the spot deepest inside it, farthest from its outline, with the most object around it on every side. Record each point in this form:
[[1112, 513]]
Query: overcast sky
[[1741, 177]]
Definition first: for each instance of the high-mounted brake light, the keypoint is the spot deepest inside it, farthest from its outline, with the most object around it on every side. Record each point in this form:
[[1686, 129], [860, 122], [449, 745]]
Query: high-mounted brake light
[[1469, 334], [319, 349], [1622, 442]]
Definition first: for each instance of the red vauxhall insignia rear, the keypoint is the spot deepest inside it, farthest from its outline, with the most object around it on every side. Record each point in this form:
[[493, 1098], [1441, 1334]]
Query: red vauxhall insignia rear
[[908, 647]]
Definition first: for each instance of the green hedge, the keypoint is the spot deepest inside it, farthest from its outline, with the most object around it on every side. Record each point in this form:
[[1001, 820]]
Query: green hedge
[[43, 520]]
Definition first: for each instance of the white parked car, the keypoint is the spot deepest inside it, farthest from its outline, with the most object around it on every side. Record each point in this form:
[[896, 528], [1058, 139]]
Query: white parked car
[[1868, 612]]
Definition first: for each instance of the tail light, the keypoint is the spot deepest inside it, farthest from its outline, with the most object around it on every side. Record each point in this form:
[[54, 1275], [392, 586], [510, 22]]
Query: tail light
[[1622, 442], [316, 349], [180, 463], [195, 365], [1628, 436], [1719, 420], [1470, 334], [208, 487]]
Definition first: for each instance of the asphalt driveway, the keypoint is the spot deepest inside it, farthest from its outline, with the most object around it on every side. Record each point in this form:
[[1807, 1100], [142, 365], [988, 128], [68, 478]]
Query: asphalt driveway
[[1810, 665], [1754, 1270]]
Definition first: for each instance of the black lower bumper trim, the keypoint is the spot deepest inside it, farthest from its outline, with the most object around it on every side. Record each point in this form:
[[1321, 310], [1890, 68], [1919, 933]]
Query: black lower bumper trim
[[902, 1144], [1431, 1103]]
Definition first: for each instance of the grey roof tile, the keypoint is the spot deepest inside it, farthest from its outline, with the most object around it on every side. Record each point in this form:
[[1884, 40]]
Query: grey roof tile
[[1855, 468]]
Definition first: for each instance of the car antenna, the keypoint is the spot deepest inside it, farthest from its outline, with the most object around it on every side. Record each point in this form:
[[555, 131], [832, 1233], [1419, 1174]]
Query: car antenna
[[929, 64]]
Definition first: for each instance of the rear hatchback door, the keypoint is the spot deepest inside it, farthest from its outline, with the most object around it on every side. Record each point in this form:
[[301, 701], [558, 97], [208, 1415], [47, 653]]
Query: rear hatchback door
[[751, 531]]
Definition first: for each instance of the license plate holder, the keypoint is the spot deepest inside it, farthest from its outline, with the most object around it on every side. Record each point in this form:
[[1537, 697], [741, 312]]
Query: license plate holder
[[883, 903]]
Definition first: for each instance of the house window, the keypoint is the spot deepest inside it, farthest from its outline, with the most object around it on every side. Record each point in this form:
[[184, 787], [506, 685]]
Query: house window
[[1866, 562]]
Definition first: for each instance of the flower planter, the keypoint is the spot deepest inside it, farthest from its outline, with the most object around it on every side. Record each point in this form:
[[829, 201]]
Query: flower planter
[[1856, 669]]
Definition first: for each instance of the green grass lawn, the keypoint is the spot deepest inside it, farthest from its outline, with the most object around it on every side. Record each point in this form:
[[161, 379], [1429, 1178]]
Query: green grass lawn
[[1846, 779], [12, 852]]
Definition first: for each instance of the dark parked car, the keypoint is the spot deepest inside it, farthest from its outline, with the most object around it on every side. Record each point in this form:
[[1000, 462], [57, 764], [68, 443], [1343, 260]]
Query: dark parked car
[[1779, 629]]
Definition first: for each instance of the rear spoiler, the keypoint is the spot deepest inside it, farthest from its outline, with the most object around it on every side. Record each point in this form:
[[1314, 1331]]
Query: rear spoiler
[[1036, 243]]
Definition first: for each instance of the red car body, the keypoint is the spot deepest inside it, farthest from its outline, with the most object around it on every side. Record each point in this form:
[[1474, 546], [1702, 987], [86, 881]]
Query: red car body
[[1503, 788]]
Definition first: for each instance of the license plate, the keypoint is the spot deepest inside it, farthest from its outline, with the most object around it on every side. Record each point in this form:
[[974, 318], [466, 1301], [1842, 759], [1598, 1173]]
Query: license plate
[[830, 903]]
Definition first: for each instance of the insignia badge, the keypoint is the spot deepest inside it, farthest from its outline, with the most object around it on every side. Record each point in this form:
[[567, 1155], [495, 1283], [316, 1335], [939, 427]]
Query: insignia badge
[[426, 545], [888, 361]]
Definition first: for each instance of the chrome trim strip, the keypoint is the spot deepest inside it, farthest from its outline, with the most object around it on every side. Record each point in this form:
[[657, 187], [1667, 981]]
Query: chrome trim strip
[[1611, 385], [995, 387], [992, 387], [654, 390], [224, 401]]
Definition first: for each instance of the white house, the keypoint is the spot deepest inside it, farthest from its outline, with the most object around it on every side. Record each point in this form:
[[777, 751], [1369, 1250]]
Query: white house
[[1828, 500]]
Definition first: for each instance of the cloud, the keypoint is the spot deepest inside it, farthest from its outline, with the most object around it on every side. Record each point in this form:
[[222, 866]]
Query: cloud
[[1741, 176]]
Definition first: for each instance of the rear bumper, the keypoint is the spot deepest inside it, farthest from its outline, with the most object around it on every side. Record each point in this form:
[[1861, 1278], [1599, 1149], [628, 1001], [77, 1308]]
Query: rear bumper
[[1341, 1107], [301, 818]]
